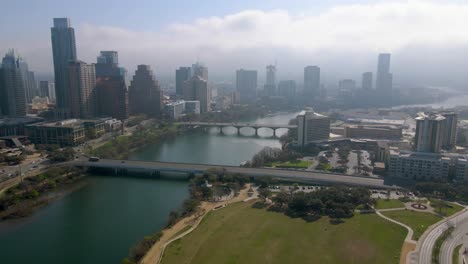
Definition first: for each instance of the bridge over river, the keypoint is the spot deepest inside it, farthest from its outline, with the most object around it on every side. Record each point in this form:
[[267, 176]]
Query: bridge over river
[[190, 168], [238, 126]]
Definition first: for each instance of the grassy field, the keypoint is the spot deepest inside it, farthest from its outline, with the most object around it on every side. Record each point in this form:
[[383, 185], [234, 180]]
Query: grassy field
[[300, 164], [418, 221], [386, 204], [455, 254], [448, 210], [241, 234]]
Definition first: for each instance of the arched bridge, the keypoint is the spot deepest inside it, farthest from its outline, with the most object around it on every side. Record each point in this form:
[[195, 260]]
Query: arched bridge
[[238, 126]]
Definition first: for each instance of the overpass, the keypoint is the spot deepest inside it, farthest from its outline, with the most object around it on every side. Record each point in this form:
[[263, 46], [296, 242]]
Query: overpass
[[190, 168], [238, 126]]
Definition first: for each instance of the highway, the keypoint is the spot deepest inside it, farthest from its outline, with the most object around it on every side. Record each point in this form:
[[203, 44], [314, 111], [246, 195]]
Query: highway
[[316, 177], [423, 252]]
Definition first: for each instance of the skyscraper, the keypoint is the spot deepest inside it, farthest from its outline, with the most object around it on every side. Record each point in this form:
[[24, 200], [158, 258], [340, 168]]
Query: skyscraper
[[64, 50], [82, 84], [287, 89], [384, 77], [246, 85], [196, 89], [430, 132], [200, 70], [12, 86], [145, 95], [312, 127], [450, 135], [182, 75], [270, 84], [367, 81], [111, 88], [312, 81], [44, 88]]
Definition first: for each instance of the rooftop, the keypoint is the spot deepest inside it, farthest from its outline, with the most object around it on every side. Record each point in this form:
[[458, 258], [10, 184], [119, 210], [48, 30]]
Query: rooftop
[[19, 120]]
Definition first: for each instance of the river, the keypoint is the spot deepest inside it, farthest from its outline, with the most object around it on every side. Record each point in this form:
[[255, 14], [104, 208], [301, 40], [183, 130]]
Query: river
[[100, 222]]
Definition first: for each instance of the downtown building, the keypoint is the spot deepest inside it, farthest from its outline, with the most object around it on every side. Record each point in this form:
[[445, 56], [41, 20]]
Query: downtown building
[[246, 86], [366, 81], [196, 89], [145, 95], [312, 127], [384, 80], [82, 85], [182, 74], [111, 88], [47, 89], [287, 89], [270, 84], [63, 50], [312, 82], [12, 86]]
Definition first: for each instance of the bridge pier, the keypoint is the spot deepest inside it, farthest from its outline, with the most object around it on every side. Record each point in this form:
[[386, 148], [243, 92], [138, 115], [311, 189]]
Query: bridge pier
[[256, 131], [274, 132], [238, 131], [221, 130]]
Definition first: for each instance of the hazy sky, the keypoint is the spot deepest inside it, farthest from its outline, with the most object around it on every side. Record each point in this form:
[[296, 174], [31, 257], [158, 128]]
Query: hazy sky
[[428, 39]]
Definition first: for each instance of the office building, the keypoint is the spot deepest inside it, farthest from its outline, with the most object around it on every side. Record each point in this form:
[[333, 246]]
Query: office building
[[182, 75], [12, 86], [145, 95], [270, 84], [175, 110], [63, 50], [200, 70], [246, 85], [430, 132], [70, 132], [461, 169], [419, 166], [312, 81], [196, 89], [367, 81], [287, 89], [384, 77], [192, 107], [44, 88], [82, 84], [312, 127], [373, 132], [111, 88], [16, 126]]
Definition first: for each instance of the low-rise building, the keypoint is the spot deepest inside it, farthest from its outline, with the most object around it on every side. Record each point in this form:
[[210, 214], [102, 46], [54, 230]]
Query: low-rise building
[[419, 166], [175, 110], [192, 107], [16, 126], [461, 170], [373, 132], [68, 132]]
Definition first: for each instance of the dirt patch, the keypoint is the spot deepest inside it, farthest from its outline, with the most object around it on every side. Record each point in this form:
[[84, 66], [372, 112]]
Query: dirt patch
[[405, 249]]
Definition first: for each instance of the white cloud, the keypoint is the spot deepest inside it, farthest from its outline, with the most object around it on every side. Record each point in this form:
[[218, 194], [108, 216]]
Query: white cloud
[[342, 38]]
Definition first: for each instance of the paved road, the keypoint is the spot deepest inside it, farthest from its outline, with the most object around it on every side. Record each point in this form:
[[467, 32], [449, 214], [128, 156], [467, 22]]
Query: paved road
[[423, 252], [455, 239], [277, 173]]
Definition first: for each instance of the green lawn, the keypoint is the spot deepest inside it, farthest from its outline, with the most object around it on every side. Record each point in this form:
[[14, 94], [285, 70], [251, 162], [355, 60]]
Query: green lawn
[[455, 254], [386, 204], [418, 221], [241, 234], [448, 210], [300, 164]]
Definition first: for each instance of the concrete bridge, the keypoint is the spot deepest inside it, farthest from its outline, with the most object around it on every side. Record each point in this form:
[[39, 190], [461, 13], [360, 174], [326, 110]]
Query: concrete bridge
[[155, 168], [238, 126]]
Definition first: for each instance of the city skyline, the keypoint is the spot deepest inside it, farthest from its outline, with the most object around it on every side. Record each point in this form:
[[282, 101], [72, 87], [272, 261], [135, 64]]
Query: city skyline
[[160, 46]]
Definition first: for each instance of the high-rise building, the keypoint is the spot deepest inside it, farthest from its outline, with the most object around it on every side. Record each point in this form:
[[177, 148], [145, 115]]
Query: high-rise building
[[287, 89], [450, 135], [82, 84], [430, 132], [246, 85], [12, 86], [312, 127], [111, 88], [196, 89], [384, 77], [200, 70], [63, 50], [367, 81], [270, 84], [182, 75], [145, 95], [312, 81], [44, 88]]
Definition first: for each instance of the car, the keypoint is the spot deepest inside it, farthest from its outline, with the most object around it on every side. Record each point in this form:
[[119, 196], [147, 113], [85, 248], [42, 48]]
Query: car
[[123, 161]]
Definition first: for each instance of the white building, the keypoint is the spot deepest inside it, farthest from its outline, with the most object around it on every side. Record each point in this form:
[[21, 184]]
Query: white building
[[175, 110], [312, 127], [418, 165]]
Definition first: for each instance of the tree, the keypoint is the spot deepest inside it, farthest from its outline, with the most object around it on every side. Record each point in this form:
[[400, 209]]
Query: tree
[[281, 198], [264, 193]]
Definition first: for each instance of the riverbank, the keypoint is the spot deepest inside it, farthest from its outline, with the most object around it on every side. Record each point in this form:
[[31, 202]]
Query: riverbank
[[37, 191]]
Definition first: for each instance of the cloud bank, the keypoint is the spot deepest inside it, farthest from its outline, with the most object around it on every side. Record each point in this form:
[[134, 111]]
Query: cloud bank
[[428, 40]]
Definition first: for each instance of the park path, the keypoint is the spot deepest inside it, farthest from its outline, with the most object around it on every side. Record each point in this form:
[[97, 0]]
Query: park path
[[409, 244], [155, 254]]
